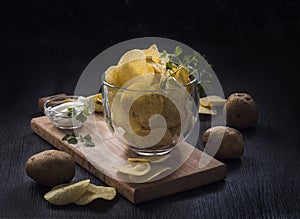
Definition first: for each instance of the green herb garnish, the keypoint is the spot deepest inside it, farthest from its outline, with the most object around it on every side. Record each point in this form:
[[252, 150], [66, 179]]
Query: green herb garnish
[[195, 64], [71, 111], [81, 117], [169, 65], [74, 138], [88, 140], [79, 114]]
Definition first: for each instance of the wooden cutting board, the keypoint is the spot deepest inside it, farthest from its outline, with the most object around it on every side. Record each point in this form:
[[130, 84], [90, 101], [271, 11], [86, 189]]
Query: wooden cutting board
[[186, 177]]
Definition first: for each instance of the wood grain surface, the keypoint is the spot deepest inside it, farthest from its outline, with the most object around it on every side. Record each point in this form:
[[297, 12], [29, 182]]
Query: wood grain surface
[[187, 177]]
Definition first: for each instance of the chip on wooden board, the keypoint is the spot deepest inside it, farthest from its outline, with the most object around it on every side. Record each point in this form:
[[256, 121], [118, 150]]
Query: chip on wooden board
[[150, 159], [155, 171], [135, 169]]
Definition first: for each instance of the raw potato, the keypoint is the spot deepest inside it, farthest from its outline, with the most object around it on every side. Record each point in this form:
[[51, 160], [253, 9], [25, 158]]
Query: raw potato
[[242, 111], [51, 167], [232, 145]]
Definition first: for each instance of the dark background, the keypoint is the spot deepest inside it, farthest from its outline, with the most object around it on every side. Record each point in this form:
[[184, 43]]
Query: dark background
[[253, 47]]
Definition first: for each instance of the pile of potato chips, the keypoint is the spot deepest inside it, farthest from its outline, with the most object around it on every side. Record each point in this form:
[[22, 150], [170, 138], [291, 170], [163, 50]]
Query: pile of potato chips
[[139, 62], [80, 193], [144, 70]]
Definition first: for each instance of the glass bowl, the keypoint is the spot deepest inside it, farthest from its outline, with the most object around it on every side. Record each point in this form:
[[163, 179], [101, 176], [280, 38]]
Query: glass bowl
[[68, 112], [151, 120]]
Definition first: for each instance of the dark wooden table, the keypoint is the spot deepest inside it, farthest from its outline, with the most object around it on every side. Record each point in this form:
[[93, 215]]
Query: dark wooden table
[[264, 183]]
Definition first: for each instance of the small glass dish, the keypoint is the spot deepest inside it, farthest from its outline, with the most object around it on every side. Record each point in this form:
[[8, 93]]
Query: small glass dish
[[68, 112]]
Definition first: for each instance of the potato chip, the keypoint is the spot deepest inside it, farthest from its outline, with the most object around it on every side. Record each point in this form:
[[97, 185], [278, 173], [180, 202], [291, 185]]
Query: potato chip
[[207, 110], [97, 102], [159, 69], [66, 193], [101, 189], [151, 53], [135, 169], [132, 55], [182, 75], [155, 171], [111, 76], [175, 131], [150, 69], [146, 106], [94, 192], [153, 46], [212, 100], [170, 113], [137, 160], [128, 96], [151, 159], [86, 198], [99, 98], [156, 60], [130, 70], [164, 141]]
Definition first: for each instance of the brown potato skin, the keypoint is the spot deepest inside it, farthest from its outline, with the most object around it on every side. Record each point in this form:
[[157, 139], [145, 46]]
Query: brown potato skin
[[232, 144], [51, 167], [241, 111]]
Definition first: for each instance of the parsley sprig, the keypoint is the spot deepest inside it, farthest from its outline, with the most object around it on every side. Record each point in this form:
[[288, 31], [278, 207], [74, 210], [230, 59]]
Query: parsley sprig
[[74, 138], [80, 114], [195, 63]]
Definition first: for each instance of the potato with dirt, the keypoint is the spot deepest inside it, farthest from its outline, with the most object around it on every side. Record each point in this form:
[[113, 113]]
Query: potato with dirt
[[51, 167], [241, 111], [232, 143]]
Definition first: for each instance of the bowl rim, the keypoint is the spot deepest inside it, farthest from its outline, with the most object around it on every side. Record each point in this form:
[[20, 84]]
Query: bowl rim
[[194, 81], [48, 109]]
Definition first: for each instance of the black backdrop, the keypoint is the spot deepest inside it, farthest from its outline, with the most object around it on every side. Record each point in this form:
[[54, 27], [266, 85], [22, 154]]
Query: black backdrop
[[114, 21], [253, 47], [257, 27]]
